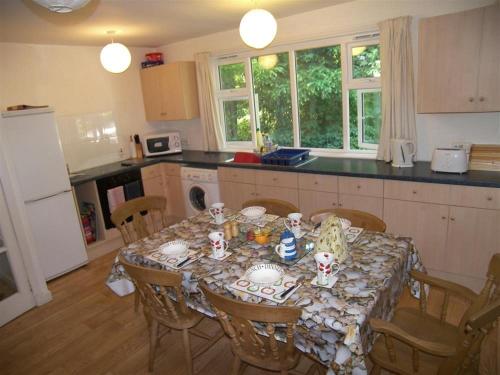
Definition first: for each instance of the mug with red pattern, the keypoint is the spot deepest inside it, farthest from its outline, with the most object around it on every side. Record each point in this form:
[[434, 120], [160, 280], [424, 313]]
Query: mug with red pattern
[[326, 267], [217, 212], [293, 222], [219, 245]]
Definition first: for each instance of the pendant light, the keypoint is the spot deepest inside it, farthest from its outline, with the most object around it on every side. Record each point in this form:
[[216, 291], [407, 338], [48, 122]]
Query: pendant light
[[115, 57], [62, 6], [258, 28]]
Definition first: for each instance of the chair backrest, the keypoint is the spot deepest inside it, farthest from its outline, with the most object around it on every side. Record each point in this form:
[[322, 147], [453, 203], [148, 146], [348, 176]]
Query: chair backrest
[[140, 217], [273, 206], [237, 320], [156, 289], [477, 327], [490, 291], [357, 218]]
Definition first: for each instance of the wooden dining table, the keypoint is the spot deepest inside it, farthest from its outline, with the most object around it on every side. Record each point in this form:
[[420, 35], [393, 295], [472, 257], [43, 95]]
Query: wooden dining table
[[334, 323]]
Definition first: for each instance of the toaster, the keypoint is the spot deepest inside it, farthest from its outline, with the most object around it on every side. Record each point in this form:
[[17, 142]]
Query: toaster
[[450, 160]]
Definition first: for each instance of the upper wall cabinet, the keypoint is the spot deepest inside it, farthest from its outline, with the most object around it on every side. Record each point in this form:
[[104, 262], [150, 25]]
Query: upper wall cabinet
[[459, 69], [170, 92]]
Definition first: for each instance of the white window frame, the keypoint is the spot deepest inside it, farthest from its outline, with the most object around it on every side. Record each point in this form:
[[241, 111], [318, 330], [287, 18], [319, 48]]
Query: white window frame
[[346, 42], [359, 94]]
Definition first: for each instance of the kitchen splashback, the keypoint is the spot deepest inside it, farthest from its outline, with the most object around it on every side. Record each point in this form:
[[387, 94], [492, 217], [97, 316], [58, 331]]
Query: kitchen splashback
[[89, 140]]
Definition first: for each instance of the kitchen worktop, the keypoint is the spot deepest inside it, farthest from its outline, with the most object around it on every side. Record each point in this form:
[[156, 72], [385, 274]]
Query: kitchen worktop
[[421, 172]]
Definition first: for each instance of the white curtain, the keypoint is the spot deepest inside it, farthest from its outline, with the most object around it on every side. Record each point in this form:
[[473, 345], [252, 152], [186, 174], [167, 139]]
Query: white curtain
[[398, 106], [209, 113]]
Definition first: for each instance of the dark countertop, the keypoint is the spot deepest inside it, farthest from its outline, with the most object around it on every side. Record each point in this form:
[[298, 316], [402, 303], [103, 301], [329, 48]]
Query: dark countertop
[[421, 172]]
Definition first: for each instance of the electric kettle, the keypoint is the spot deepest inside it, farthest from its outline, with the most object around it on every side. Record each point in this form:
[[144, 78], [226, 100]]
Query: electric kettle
[[403, 152]]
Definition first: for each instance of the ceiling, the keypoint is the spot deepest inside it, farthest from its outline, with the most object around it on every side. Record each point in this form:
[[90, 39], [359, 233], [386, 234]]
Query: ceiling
[[147, 23]]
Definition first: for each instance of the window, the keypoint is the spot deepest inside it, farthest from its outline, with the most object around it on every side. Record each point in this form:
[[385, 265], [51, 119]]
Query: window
[[320, 96]]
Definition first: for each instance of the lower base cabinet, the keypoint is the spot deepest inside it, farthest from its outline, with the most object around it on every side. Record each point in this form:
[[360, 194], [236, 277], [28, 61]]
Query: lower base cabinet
[[234, 194], [153, 186], [311, 201], [175, 197], [425, 223], [275, 192], [373, 205], [473, 237]]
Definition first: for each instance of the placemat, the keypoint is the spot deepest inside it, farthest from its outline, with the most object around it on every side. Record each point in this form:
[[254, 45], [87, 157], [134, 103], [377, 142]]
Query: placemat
[[270, 293], [172, 262]]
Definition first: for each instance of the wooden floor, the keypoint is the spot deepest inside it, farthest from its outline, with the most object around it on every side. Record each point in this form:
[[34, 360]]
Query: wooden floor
[[87, 329]]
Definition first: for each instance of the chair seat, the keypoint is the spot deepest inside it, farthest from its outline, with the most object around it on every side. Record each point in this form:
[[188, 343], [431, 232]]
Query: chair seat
[[425, 327]]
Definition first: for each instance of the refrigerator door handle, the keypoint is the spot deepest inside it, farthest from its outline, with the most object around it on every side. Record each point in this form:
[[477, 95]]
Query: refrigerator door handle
[[47, 196]]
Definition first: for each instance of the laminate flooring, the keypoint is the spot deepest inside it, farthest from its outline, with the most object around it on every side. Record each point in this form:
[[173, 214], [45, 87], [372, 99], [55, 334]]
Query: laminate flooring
[[87, 329]]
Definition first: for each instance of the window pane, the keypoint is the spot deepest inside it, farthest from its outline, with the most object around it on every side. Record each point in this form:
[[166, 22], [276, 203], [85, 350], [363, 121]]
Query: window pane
[[364, 115], [237, 120], [232, 76], [319, 86], [273, 104], [366, 61]]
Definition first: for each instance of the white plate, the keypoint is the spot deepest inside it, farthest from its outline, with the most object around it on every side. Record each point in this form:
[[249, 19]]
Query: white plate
[[177, 248], [253, 212], [332, 282], [264, 274]]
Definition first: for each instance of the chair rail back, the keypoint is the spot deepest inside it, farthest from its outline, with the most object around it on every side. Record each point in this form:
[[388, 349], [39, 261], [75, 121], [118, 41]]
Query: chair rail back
[[156, 289], [238, 320], [147, 216]]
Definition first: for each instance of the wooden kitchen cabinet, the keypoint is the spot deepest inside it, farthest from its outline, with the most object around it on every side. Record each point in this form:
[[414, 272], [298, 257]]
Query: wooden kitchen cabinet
[[234, 194], [170, 92], [458, 62], [417, 191], [425, 223], [371, 187], [372, 205], [153, 186], [277, 192], [311, 201], [152, 180], [173, 190], [473, 237]]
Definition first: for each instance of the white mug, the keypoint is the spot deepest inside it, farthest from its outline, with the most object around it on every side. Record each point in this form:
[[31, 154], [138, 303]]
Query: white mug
[[326, 267], [285, 251], [293, 222], [219, 245], [217, 212]]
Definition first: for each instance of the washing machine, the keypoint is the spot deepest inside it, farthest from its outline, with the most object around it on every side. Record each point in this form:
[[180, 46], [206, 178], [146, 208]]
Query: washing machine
[[200, 187]]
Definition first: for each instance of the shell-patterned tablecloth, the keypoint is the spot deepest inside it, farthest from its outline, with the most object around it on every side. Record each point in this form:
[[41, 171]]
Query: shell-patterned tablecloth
[[334, 322]]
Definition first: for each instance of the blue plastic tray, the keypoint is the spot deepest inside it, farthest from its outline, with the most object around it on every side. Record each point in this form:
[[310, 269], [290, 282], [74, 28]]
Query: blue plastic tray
[[286, 156]]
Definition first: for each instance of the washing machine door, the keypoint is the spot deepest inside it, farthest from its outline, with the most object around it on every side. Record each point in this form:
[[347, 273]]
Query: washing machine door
[[196, 198]]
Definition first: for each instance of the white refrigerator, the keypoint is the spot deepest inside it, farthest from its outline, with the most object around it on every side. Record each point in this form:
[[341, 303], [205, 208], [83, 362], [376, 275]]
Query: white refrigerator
[[34, 155]]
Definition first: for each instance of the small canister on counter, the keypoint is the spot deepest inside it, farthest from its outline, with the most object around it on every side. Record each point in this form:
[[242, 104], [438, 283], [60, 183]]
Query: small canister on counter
[[235, 229], [227, 231]]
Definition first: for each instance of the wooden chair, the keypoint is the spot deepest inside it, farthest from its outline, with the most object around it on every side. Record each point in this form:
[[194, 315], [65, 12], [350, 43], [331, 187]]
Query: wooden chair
[[416, 342], [273, 206], [357, 218], [164, 305], [250, 348], [140, 217]]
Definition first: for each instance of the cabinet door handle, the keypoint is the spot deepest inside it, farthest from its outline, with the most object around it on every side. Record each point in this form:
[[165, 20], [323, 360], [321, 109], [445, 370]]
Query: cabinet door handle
[[275, 179], [163, 113], [489, 198], [414, 192], [315, 182], [481, 99], [340, 204], [334, 204], [452, 219], [443, 217], [471, 100], [359, 186]]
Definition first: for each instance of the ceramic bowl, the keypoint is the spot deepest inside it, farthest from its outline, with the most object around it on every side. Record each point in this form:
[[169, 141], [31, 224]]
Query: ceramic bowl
[[177, 248], [264, 274], [253, 212]]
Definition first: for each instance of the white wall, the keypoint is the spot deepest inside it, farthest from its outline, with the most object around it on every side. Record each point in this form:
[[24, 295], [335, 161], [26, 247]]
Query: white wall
[[71, 79], [432, 130]]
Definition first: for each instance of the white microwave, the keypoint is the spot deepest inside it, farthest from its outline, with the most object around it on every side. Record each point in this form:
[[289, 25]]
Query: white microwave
[[161, 144]]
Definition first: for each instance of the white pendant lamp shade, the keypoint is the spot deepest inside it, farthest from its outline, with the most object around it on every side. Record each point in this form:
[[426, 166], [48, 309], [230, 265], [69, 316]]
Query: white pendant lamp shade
[[115, 57], [258, 28], [62, 6]]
